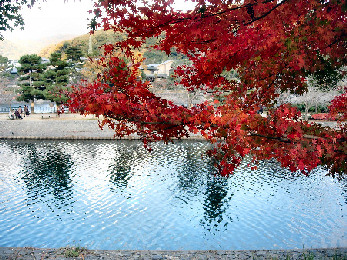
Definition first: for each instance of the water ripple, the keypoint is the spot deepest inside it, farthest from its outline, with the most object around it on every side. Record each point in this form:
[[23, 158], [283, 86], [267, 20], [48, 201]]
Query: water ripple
[[116, 195]]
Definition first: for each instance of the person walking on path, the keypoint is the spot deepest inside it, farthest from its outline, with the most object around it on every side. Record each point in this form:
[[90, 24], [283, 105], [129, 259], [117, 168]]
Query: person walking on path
[[26, 111], [17, 114], [20, 111]]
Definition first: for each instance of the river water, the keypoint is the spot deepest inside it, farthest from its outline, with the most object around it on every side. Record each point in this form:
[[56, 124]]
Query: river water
[[116, 195]]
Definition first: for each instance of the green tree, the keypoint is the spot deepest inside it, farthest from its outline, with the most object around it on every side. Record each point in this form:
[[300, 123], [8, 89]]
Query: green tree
[[56, 79], [31, 78], [74, 53]]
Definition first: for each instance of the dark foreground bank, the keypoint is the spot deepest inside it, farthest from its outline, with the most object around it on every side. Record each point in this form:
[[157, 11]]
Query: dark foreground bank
[[80, 253]]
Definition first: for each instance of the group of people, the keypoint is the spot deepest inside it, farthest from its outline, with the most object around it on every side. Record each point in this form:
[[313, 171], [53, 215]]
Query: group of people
[[17, 114]]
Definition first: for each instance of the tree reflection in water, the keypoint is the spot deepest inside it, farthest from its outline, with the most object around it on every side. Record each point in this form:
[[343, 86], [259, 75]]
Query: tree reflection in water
[[46, 174], [120, 170], [190, 176], [216, 202], [196, 180]]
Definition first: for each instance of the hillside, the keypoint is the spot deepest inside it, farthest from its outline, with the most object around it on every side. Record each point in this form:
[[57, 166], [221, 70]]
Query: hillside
[[99, 38], [16, 48], [12, 50]]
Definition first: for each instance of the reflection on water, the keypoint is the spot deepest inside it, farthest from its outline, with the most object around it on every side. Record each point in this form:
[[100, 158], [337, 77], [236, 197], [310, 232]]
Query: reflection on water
[[46, 174], [216, 201], [120, 169], [116, 195]]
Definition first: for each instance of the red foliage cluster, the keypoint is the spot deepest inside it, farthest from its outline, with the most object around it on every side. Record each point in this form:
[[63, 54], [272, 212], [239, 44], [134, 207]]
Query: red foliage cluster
[[339, 106], [324, 116], [272, 45]]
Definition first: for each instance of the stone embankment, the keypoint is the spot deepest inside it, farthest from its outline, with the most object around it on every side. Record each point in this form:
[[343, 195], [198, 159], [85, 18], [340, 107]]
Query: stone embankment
[[78, 253]]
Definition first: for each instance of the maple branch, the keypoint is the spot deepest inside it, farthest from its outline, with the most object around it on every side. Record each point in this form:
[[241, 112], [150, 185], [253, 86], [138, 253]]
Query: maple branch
[[286, 140], [271, 137], [237, 8], [171, 125], [339, 39], [205, 41], [271, 44], [267, 13], [179, 20]]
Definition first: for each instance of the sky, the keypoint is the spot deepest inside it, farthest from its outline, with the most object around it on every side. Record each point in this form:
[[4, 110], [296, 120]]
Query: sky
[[52, 18], [56, 17]]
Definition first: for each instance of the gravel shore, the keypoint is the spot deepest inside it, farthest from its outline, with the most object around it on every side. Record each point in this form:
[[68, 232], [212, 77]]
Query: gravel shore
[[73, 253], [50, 126], [65, 127]]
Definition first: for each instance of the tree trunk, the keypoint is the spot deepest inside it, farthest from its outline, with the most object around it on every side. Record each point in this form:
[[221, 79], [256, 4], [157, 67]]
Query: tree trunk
[[30, 82], [190, 97], [306, 110], [32, 105]]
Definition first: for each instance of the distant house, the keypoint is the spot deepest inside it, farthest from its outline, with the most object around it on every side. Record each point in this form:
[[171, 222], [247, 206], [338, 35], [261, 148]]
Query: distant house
[[40, 106], [14, 70], [83, 59], [8, 106], [13, 63], [158, 70], [45, 106], [45, 60], [12, 66]]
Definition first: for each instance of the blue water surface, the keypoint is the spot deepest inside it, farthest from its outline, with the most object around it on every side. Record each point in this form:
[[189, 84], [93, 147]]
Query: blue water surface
[[116, 195]]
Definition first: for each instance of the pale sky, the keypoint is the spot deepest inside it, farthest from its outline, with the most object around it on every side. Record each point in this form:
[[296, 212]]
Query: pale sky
[[53, 17], [56, 17]]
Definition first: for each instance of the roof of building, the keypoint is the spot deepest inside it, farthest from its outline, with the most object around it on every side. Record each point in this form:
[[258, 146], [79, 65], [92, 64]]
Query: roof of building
[[152, 66], [155, 66]]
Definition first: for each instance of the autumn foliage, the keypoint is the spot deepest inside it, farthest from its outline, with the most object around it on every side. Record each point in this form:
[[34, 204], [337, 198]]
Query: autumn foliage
[[271, 45]]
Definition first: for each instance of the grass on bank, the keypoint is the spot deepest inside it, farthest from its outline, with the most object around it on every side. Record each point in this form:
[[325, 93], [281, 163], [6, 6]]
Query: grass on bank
[[73, 251]]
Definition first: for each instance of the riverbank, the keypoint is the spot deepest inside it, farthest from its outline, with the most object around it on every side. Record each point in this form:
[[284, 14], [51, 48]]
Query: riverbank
[[50, 126], [66, 127], [80, 253]]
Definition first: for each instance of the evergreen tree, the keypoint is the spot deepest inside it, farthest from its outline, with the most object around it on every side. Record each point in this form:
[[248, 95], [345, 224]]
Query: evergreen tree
[[42, 82], [31, 78], [74, 53], [56, 79]]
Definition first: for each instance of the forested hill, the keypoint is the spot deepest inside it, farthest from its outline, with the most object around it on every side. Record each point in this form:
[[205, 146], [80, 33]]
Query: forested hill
[[90, 45], [82, 42]]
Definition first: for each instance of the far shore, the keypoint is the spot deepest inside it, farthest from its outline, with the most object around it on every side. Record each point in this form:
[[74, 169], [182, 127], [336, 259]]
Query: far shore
[[68, 126], [64, 127]]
